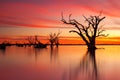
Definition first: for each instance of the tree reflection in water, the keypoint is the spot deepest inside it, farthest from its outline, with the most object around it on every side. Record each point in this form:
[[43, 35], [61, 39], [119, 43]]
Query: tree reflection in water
[[2, 51], [86, 70], [37, 52], [54, 53]]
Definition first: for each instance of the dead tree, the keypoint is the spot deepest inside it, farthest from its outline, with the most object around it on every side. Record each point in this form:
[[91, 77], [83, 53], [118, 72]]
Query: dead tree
[[54, 39], [30, 40], [36, 40], [88, 32]]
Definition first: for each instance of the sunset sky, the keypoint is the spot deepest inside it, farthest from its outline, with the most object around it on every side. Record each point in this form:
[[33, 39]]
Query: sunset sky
[[21, 18]]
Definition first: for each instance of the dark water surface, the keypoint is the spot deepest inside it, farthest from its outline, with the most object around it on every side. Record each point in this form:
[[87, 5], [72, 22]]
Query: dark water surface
[[62, 63]]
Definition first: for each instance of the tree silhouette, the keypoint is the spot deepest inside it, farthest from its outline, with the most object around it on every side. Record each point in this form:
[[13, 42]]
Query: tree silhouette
[[30, 40], [88, 32], [35, 42], [54, 39]]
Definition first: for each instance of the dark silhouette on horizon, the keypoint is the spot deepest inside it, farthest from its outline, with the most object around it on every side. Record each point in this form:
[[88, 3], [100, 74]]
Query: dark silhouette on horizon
[[3, 46], [54, 39], [88, 32], [38, 44], [2, 50], [35, 42]]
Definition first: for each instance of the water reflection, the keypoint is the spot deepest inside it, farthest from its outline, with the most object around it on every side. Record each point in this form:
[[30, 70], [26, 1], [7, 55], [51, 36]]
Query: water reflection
[[86, 69], [2, 51], [62, 63], [37, 52], [54, 53]]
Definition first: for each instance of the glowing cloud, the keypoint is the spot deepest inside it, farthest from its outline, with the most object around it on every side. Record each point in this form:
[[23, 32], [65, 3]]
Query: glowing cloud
[[46, 14]]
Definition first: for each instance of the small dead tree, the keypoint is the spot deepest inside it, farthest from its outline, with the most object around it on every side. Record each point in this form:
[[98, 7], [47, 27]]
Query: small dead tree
[[30, 40], [88, 32], [54, 39]]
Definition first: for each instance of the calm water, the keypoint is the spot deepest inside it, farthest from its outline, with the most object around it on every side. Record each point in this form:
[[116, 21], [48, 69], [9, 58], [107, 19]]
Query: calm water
[[63, 63]]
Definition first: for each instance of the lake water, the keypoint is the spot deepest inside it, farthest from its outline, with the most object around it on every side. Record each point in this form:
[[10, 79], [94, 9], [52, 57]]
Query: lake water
[[62, 63]]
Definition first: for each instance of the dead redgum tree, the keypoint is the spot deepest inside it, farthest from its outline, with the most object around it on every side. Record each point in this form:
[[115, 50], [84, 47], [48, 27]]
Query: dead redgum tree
[[88, 32], [30, 40], [54, 39]]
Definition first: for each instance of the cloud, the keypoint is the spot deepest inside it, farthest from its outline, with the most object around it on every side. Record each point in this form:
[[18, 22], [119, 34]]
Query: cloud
[[117, 22], [109, 7], [44, 13]]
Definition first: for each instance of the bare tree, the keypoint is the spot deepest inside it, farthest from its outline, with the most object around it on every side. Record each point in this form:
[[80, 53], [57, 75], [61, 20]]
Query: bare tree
[[54, 39], [31, 40], [88, 32], [39, 44]]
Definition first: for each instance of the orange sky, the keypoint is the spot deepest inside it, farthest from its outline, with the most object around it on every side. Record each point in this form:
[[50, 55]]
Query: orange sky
[[19, 18]]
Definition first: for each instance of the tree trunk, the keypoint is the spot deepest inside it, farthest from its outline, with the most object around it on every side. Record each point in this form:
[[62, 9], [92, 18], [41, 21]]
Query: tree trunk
[[91, 45]]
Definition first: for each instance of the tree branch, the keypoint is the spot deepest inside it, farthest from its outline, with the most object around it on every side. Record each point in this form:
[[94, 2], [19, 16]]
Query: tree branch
[[81, 35], [87, 33]]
